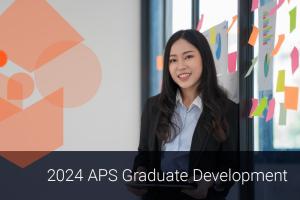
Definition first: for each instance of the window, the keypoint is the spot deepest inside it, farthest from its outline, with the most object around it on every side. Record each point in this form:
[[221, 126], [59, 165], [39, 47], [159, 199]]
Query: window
[[270, 135]]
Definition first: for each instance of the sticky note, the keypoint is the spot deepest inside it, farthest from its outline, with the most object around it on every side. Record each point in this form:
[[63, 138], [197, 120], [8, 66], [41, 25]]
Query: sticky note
[[254, 60], [232, 62], [278, 45], [273, 10], [212, 36], [291, 98], [261, 107], [254, 5], [253, 36], [159, 63], [266, 65], [200, 22], [293, 14], [270, 110], [295, 59], [254, 106], [234, 18], [282, 115], [280, 81]]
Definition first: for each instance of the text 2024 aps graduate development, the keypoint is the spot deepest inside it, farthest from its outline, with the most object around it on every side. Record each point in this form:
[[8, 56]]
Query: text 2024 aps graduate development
[[128, 175]]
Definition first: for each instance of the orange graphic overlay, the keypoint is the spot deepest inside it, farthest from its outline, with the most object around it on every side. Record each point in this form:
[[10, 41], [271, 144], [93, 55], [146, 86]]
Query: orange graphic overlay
[[41, 27], [7, 109], [67, 74], [20, 86], [3, 58], [37, 128], [79, 77], [23, 158], [4, 90]]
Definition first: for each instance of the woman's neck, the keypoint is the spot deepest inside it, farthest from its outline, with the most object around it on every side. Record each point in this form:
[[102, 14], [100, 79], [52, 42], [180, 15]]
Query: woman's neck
[[188, 96]]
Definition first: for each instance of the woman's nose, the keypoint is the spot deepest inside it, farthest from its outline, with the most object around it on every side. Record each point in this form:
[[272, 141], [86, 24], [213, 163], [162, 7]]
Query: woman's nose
[[181, 64]]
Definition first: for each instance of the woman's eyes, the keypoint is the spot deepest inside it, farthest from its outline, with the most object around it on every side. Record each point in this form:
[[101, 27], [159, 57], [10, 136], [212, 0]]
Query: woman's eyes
[[172, 60], [185, 58], [189, 57]]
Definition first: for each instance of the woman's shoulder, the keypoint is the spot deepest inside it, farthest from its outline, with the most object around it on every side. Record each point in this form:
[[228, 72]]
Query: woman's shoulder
[[232, 107], [231, 103], [152, 102]]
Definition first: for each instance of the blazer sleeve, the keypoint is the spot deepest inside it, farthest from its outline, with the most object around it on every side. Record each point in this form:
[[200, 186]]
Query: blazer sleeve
[[229, 153], [142, 158]]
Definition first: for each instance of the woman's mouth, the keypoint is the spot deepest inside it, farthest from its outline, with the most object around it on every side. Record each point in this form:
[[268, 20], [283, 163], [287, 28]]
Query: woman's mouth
[[184, 76]]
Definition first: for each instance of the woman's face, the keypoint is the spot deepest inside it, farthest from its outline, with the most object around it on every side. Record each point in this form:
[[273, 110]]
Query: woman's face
[[185, 65]]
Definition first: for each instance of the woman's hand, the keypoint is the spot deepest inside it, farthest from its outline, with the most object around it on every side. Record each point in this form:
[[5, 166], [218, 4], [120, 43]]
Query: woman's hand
[[200, 192]]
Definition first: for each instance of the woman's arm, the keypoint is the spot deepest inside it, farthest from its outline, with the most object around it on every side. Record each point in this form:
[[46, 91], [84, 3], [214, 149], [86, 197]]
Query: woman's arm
[[229, 155], [142, 158]]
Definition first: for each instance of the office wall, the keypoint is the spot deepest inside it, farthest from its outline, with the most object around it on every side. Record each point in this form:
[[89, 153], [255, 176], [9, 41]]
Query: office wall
[[111, 29], [110, 121]]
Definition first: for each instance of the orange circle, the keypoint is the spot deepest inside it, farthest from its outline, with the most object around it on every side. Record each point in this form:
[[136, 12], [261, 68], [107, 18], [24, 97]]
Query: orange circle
[[3, 58]]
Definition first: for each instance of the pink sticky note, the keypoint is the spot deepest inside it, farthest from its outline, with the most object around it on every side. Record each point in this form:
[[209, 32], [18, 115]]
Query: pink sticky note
[[254, 5], [199, 25], [232, 62], [270, 110], [254, 106], [295, 59], [274, 9]]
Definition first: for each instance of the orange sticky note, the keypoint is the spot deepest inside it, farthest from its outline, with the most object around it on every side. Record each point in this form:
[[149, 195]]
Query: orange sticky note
[[234, 18], [278, 45], [159, 63], [232, 62], [253, 36], [291, 98]]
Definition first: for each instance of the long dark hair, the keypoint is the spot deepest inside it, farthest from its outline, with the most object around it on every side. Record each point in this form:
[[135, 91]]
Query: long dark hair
[[212, 96]]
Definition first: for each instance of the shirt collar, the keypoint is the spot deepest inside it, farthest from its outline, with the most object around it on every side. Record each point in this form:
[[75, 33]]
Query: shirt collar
[[197, 101]]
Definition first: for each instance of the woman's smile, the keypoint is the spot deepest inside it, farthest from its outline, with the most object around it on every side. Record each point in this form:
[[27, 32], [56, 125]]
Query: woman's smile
[[184, 76]]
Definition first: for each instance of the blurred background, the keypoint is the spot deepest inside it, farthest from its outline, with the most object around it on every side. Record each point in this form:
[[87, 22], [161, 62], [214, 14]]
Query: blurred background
[[128, 38]]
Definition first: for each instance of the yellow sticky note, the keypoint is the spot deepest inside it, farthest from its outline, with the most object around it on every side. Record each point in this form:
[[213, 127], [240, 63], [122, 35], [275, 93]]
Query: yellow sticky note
[[280, 81], [291, 98], [212, 36], [261, 107]]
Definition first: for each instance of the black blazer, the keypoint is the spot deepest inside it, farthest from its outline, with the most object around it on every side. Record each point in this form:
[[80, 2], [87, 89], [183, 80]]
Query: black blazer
[[206, 152]]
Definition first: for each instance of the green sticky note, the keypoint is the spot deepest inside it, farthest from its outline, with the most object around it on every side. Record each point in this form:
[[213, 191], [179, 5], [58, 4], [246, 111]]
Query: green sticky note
[[261, 107], [293, 15], [282, 115], [280, 81], [212, 34]]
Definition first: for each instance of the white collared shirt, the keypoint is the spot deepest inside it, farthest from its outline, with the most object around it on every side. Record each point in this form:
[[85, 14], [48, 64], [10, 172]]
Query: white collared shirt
[[186, 119]]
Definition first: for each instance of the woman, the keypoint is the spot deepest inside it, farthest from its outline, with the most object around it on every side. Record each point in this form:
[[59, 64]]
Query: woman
[[191, 115]]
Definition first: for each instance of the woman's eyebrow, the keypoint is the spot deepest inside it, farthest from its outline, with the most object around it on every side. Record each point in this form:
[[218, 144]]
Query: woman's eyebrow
[[187, 52], [182, 53]]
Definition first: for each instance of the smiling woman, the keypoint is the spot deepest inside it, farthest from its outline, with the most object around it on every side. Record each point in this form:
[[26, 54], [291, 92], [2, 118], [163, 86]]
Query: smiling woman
[[192, 114]]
